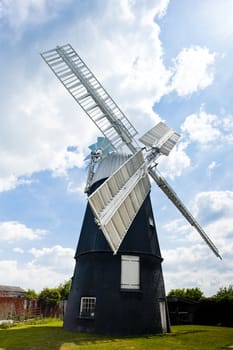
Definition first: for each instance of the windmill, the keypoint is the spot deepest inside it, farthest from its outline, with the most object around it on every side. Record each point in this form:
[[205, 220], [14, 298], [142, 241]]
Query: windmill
[[117, 286]]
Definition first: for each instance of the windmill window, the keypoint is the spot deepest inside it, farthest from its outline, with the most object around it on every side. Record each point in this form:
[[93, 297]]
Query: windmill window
[[130, 272], [87, 307]]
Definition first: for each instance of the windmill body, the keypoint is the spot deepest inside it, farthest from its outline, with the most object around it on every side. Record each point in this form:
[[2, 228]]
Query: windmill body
[[127, 289], [118, 284]]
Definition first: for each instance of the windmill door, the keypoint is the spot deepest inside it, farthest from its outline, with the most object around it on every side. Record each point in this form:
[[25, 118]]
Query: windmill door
[[163, 315]]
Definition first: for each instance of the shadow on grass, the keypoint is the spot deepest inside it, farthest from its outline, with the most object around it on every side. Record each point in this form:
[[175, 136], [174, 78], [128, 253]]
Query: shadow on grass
[[41, 338]]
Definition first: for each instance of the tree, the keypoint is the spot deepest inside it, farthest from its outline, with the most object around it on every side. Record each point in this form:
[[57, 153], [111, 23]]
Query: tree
[[194, 293], [177, 292], [190, 293], [31, 294], [49, 298], [64, 289], [225, 293]]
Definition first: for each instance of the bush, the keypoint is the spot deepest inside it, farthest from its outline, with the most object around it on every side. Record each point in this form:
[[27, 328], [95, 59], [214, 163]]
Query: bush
[[49, 298], [189, 293], [212, 311], [224, 293]]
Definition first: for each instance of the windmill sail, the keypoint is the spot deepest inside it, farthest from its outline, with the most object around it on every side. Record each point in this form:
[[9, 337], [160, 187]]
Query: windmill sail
[[91, 96], [161, 137], [116, 202], [170, 193]]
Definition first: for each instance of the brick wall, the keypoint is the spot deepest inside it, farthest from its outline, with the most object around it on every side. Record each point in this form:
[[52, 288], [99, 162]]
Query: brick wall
[[17, 308]]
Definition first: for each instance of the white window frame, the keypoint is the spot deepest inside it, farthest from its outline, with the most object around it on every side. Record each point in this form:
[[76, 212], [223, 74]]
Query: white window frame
[[87, 307], [130, 272]]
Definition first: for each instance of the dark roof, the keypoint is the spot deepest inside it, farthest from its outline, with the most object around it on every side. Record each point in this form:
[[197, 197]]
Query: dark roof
[[176, 299], [11, 289]]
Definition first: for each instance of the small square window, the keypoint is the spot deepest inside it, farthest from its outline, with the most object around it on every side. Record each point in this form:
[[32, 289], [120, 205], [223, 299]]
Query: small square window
[[87, 307]]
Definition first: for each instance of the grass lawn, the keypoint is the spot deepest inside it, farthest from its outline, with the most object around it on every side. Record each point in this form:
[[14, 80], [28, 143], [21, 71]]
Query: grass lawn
[[49, 335]]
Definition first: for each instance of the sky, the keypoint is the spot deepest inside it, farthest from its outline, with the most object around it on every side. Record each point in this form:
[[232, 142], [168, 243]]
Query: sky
[[159, 60]]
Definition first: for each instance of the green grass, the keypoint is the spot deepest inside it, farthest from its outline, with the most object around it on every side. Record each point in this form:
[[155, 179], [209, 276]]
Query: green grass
[[49, 335]]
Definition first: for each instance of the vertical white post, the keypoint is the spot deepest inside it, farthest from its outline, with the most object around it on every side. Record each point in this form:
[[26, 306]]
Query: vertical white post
[[162, 307]]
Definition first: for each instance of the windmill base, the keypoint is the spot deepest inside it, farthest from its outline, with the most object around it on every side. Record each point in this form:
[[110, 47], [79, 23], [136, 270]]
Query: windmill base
[[98, 303]]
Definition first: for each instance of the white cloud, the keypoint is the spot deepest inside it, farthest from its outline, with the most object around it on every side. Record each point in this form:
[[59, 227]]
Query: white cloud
[[32, 276], [179, 226], [177, 162], [202, 128], [216, 202], [13, 230], [50, 267], [57, 250], [195, 275], [56, 258], [43, 140], [193, 70], [213, 165], [18, 250], [205, 128], [9, 182], [146, 11], [19, 13], [12, 274]]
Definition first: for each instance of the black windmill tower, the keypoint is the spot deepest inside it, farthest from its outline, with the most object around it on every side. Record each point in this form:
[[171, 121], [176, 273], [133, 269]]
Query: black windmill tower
[[117, 286]]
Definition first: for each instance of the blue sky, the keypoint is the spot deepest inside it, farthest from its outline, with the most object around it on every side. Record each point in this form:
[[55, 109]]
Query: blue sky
[[160, 60]]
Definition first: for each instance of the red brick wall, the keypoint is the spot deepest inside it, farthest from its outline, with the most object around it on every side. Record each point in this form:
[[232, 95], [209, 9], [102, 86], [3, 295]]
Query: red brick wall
[[15, 308], [21, 308], [11, 307]]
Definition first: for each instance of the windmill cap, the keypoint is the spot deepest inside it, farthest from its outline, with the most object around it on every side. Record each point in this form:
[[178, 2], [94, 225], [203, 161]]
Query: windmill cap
[[109, 165]]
